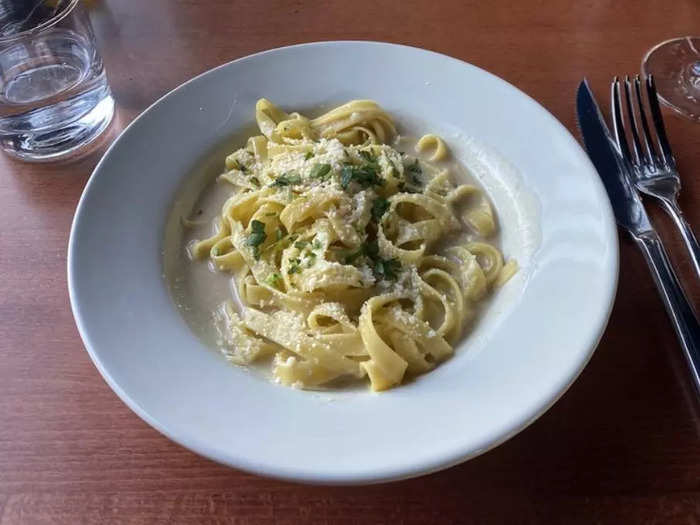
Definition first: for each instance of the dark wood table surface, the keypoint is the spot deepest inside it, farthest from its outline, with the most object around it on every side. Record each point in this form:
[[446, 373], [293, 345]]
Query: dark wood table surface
[[621, 446]]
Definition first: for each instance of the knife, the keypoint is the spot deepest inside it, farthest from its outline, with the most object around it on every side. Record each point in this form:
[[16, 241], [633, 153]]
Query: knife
[[631, 216]]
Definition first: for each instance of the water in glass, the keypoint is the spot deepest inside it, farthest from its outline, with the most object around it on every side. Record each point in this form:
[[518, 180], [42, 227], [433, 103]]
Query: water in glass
[[54, 96]]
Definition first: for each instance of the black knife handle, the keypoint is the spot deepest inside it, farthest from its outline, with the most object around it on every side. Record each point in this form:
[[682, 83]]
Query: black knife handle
[[678, 307]]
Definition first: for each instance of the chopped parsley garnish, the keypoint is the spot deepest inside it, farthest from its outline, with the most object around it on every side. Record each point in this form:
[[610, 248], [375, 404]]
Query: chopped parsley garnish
[[383, 268], [236, 165], [320, 171], [394, 170], [316, 245], [294, 266], [257, 237], [407, 188], [379, 207], [299, 245], [364, 175], [273, 279], [310, 259], [387, 268], [350, 257], [371, 249], [287, 179], [281, 238], [345, 176], [308, 155], [414, 170], [368, 156]]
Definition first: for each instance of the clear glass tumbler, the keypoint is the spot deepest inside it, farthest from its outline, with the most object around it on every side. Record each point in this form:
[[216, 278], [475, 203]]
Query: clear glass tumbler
[[54, 96]]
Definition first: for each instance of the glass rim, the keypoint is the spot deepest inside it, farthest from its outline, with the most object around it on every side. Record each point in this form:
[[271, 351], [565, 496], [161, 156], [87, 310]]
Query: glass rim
[[46, 24]]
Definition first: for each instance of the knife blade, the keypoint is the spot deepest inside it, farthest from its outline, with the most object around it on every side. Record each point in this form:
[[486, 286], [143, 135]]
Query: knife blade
[[609, 163], [630, 214]]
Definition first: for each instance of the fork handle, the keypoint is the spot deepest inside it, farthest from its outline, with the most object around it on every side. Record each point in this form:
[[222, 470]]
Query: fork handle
[[677, 305], [691, 243]]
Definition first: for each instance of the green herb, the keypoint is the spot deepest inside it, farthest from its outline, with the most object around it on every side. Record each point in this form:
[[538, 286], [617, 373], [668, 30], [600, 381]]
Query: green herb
[[387, 268], [364, 175], [394, 170], [383, 268], [257, 237], [294, 266], [379, 207], [350, 257], [414, 171], [311, 259], [299, 245], [279, 238], [320, 171], [345, 176], [368, 249], [371, 249], [368, 156], [255, 181], [308, 155], [408, 189], [287, 179], [316, 245], [273, 279]]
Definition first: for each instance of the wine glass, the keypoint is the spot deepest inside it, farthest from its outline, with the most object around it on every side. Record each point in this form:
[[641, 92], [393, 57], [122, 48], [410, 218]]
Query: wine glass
[[675, 65]]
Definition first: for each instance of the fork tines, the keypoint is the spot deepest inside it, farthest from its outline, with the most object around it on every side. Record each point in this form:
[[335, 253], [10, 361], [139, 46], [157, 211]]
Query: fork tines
[[646, 153]]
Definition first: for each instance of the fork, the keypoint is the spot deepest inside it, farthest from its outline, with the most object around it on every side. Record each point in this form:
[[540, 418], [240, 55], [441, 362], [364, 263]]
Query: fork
[[653, 167]]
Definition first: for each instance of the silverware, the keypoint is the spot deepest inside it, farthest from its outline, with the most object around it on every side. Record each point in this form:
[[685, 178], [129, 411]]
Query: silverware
[[653, 168], [630, 214]]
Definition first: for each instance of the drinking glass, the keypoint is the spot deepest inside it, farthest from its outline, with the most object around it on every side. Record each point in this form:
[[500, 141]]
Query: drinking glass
[[54, 96], [675, 65]]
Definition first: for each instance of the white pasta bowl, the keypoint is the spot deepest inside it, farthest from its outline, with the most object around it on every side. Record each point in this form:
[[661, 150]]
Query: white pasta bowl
[[524, 351]]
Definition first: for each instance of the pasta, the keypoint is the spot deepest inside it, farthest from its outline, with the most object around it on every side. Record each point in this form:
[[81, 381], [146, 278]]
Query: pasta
[[351, 259]]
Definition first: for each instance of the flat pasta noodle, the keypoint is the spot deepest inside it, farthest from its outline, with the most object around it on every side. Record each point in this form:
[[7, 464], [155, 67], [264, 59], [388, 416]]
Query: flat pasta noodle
[[351, 259]]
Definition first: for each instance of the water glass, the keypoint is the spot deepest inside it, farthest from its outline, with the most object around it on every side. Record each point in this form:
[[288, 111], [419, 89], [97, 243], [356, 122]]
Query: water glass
[[54, 96]]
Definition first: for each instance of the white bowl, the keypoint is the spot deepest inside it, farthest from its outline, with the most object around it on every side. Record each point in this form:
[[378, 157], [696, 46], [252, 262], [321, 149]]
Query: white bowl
[[524, 352]]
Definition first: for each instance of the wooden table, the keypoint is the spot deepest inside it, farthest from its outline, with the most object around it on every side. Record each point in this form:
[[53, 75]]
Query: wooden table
[[622, 446]]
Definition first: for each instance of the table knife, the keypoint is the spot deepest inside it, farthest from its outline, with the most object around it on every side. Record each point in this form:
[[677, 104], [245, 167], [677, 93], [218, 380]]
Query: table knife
[[631, 216]]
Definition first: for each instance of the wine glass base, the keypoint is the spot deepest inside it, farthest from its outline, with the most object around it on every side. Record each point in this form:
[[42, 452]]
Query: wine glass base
[[675, 65]]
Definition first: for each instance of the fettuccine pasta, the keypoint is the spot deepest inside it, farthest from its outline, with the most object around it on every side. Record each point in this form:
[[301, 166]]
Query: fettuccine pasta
[[348, 256]]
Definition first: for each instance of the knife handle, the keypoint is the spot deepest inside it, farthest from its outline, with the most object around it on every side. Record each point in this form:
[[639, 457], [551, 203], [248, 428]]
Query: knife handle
[[677, 305]]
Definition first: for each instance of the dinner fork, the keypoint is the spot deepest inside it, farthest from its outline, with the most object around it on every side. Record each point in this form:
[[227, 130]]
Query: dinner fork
[[653, 167]]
